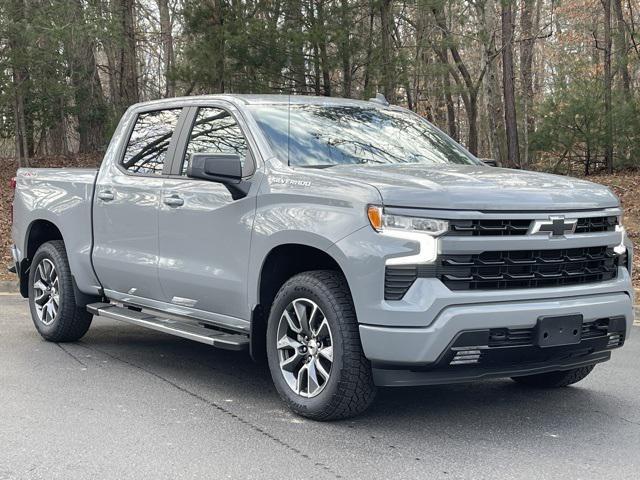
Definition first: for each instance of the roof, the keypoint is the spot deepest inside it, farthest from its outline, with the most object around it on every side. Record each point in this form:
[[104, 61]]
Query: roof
[[267, 99]]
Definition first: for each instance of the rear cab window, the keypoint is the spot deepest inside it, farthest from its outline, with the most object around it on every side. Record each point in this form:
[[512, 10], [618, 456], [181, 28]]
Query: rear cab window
[[150, 138]]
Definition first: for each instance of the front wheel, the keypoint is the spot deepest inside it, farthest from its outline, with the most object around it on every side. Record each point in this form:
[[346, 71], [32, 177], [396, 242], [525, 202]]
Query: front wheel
[[314, 350], [558, 379], [52, 298]]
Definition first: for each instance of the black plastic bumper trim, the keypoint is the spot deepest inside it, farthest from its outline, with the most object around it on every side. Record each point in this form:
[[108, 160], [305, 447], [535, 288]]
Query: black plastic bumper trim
[[403, 378]]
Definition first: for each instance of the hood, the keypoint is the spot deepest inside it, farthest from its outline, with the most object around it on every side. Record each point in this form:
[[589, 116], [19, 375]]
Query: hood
[[471, 187]]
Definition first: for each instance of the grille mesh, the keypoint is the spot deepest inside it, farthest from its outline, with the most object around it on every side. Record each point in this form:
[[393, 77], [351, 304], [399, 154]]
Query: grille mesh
[[527, 269], [508, 269], [520, 227]]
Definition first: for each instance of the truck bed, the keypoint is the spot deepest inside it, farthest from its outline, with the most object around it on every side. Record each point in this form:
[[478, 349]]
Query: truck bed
[[61, 196]]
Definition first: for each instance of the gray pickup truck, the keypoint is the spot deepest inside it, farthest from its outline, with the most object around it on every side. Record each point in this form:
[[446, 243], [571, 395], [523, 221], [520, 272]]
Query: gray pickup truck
[[349, 244]]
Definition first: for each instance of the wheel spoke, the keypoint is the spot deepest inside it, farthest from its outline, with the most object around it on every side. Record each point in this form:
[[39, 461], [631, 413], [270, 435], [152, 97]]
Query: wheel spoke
[[41, 272], [291, 323], [303, 374], [327, 352], [323, 329], [315, 312], [42, 299], [51, 308], [301, 313], [313, 383], [43, 296], [288, 342], [291, 363], [321, 370]]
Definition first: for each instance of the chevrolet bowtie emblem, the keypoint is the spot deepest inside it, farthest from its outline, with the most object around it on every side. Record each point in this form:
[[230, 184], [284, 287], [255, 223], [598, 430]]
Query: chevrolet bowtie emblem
[[555, 226]]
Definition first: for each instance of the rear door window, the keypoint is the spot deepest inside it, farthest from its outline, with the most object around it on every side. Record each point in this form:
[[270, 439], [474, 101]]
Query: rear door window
[[149, 141]]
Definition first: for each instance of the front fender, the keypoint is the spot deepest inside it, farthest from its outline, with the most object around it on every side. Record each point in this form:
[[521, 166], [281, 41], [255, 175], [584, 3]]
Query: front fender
[[301, 208]]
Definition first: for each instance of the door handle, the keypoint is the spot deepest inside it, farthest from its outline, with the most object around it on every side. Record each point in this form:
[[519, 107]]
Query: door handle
[[106, 195], [173, 201]]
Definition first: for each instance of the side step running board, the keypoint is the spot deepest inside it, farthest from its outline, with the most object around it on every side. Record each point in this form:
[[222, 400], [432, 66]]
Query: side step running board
[[180, 328]]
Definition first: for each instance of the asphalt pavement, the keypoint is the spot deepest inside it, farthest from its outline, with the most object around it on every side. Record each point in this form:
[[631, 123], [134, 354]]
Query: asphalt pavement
[[130, 403]]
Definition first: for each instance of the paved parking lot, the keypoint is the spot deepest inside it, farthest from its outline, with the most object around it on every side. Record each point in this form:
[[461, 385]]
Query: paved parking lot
[[132, 403]]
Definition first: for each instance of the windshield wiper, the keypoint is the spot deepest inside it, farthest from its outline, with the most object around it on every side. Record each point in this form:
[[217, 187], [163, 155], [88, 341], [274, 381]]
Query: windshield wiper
[[325, 165]]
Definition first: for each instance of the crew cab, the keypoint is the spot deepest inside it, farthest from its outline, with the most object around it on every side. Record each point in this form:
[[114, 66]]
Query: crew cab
[[349, 244]]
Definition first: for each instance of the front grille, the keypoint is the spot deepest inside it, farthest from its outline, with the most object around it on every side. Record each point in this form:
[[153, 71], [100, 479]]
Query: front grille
[[508, 269], [527, 269], [489, 227], [596, 224], [521, 227]]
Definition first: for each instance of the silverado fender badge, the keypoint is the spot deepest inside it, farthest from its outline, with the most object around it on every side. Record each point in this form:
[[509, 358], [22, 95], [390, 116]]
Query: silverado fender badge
[[289, 181]]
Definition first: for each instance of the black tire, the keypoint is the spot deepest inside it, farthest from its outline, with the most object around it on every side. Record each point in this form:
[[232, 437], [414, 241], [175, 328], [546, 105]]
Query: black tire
[[350, 388], [70, 322], [558, 379]]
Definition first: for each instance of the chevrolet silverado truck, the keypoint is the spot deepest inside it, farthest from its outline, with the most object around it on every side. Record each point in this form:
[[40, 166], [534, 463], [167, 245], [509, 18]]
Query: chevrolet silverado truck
[[349, 244]]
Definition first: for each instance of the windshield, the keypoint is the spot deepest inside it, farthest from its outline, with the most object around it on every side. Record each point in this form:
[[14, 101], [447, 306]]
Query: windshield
[[322, 136]]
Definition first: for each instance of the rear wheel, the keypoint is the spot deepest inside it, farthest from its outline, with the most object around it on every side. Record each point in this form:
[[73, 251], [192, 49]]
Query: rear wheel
[[51, 296], [314, 350], [558, 379]]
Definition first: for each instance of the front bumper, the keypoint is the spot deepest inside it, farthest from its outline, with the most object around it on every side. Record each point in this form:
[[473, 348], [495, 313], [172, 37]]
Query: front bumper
[[405, 338], [420, 356]]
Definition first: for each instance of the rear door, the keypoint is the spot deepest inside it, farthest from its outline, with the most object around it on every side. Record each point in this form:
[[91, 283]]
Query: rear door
[[127, 199], [204, 232]]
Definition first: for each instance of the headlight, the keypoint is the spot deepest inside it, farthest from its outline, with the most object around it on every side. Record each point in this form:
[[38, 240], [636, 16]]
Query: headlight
[[381, 222], [416, 229], [621, 249]]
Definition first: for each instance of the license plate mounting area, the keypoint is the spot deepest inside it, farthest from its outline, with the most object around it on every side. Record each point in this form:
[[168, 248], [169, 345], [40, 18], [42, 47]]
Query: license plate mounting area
[[553, 331]]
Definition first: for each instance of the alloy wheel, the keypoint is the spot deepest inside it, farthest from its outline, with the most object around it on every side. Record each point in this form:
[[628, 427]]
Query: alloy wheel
[[305, 347], [46, 292]]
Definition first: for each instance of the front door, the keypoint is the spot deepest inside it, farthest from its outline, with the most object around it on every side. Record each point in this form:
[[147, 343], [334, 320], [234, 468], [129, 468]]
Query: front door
[[204, 232], [125, 212]]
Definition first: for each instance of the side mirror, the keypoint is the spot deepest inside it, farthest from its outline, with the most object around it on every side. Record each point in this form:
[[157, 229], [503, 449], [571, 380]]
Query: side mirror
[[223, 168], [489, 162]]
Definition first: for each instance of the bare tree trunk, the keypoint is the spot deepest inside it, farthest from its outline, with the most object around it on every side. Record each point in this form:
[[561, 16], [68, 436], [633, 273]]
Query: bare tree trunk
[[451, 110], [324, 59], [621, 49], [608, 149], [295, 46], [526, 68], [128, 71], [510, 120], [491, 87], [315, 47], [367, 63], [386, 53], [20, 81], [166, 37], [345, 48]]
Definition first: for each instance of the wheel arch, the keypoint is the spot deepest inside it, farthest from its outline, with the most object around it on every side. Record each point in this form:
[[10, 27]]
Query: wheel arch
[[280, 264], [39, 232]]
